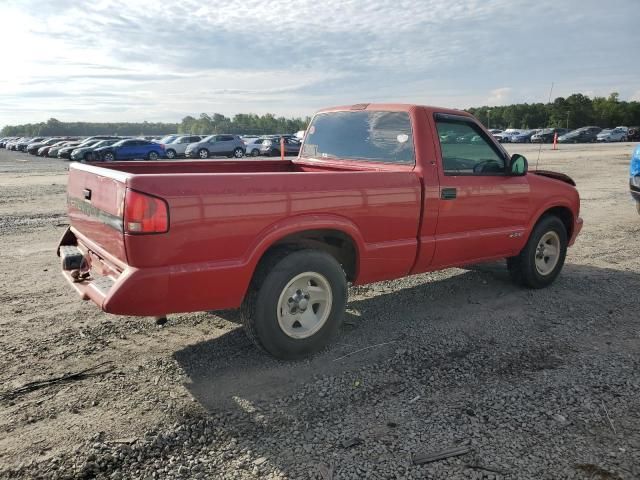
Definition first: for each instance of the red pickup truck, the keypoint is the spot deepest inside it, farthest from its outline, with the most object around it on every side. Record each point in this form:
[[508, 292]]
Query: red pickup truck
[[377, 192]]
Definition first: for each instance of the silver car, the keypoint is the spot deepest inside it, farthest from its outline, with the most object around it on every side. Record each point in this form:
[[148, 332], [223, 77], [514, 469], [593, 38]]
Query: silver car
[[220, 145], [177, 146], [254, 146], [618, 134]]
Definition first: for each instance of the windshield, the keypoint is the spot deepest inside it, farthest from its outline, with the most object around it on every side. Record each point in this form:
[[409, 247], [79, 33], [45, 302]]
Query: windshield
[[167, 139], [368, 135], [210, 138], [105, 143]]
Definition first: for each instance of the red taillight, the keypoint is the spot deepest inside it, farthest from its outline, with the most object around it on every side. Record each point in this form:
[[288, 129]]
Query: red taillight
[[145, 214]]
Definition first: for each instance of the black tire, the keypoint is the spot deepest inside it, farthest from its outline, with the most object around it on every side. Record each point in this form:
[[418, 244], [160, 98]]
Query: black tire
[[523, 266], [238, 152], [109, 157], [259, 310], [203, 153], [152, 156], [171, 154], [255, 152]]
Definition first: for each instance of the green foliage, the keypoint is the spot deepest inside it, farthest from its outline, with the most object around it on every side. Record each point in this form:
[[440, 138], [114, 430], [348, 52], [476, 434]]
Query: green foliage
[[242, 123], [54, 127], [575, 111]]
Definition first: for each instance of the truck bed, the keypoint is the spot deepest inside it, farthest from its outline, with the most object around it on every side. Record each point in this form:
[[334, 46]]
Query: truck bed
[[224, 215]]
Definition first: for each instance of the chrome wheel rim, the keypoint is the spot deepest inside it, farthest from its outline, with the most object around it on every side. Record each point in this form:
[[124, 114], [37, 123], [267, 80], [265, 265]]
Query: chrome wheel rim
[[108, 157], [170, 154], [203, 154], [304, 305], [547, 253], [239, 153]]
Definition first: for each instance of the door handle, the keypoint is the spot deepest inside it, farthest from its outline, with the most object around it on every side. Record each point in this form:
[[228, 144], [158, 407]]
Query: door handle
[[448, 194]]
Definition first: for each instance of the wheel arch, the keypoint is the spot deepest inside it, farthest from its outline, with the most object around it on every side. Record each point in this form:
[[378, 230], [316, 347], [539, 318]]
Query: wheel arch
[[563, 212], [338, 237]]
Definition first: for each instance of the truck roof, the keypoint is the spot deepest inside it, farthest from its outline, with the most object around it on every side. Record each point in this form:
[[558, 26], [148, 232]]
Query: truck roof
[[397, 107]]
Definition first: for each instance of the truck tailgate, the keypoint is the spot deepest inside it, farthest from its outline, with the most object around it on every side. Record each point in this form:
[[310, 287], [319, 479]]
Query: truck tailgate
[[95, 206]]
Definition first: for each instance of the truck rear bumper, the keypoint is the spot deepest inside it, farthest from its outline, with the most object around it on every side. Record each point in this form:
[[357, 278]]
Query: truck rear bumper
[[159, 290]]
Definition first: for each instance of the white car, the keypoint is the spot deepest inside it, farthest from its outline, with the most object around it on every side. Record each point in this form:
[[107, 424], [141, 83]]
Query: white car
[[177, 146], [505, 137], [618, 134]]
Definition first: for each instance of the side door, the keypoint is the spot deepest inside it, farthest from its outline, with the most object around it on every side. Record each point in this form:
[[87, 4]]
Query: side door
[[215, 146], [126, 150], [482, 208], [226, 144]]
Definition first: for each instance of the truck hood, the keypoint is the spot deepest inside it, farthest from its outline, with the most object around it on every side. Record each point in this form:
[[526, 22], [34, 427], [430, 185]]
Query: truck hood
[[556, 176]]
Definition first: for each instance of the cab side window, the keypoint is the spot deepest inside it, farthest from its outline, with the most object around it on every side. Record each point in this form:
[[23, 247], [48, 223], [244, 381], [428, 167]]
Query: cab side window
[[466, 150]]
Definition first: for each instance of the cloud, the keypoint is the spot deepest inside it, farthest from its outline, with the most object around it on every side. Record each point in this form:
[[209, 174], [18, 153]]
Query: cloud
[[188, 56]]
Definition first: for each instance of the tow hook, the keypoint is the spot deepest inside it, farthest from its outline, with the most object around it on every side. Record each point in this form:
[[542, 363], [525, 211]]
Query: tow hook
[[79, 276]]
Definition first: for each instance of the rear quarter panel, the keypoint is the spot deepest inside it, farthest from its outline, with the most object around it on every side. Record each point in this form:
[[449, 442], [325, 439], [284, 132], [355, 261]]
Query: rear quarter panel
[[220, 225]]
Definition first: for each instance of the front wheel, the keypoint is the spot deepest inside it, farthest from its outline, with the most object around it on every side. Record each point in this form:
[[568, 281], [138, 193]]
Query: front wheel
[[542, 258], [255, 152], [108, 157], [152, 156], [203, 153], [238, 153], [171, 154], [295, 303]]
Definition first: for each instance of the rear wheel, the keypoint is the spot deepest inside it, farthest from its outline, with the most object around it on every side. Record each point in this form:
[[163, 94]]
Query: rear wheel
[[238, 153], [274, 153], [295, 303], [152, 156], [108, 157], [203, 153], [542, 258], [255, 152]]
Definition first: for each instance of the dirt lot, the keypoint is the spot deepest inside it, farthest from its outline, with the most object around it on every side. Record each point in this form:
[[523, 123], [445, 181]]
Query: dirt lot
[[537, 384]]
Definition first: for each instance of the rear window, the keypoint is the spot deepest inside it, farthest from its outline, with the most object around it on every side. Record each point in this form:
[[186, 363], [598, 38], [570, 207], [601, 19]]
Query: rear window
[[367, 135]]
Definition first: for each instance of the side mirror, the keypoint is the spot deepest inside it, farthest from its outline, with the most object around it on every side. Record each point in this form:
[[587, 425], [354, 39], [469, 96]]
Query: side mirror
[[518, 165]]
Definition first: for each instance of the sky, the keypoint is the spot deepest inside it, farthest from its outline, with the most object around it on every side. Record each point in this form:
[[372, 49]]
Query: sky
[[137, 60]]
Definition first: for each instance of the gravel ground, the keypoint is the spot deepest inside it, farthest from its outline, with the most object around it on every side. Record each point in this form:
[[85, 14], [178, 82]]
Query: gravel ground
[[534, 384]]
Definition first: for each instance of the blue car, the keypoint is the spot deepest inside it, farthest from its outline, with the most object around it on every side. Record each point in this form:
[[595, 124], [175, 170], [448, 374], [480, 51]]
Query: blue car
[[634, 177], [130, 149]]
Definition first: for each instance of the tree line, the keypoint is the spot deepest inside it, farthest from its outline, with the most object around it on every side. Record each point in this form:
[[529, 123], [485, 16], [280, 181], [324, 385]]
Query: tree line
[[575, 111], [242, 123]]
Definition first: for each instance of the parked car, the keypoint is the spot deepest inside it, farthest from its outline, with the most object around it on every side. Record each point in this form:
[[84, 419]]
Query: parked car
[[53, 151], [618, 134], [130, 149], [365, 201], [44, 150], [494, 131], [5, 140], [634, 177], [66, 151], [33, 148], [21, 146], [546, 135], [271, 146], [221, 145], [177, 146], [253, 148], [505, 136], [581, 135], [85, 152], [523, 137], [13, 144]]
